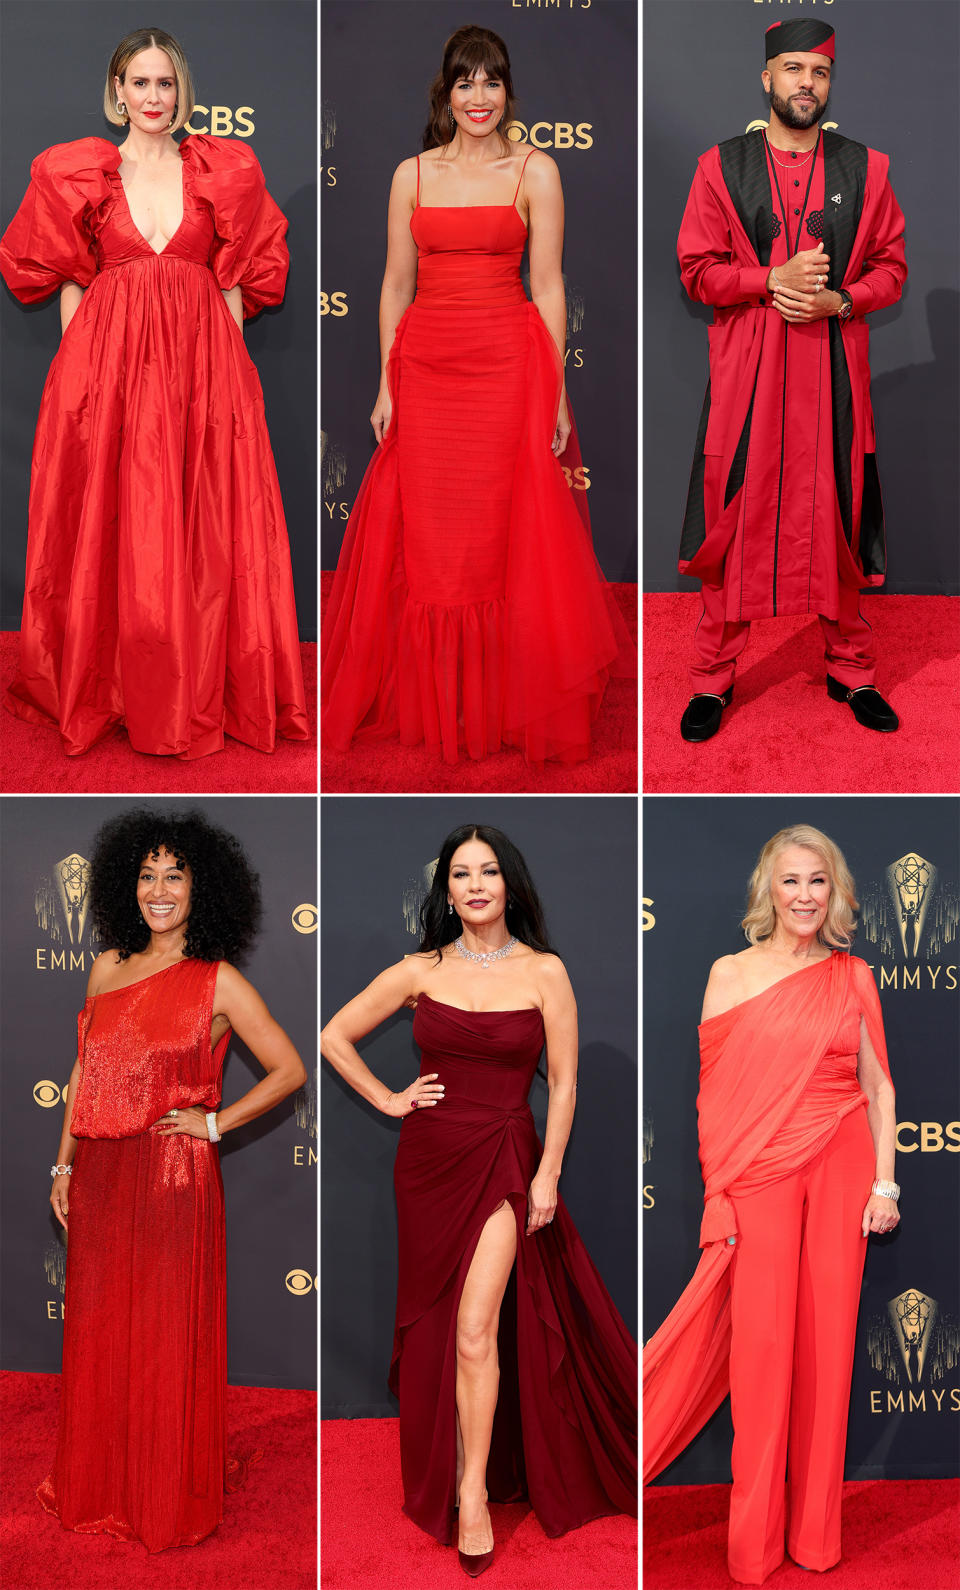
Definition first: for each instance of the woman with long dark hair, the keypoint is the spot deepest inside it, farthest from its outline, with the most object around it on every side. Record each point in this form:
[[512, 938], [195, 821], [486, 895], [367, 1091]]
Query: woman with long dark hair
[[159, 593], [468, 611], [141, 1450], [515, 1373]]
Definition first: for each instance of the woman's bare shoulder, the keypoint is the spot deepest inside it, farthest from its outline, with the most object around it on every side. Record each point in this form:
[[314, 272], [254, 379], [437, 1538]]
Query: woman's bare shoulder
[[100, 969]]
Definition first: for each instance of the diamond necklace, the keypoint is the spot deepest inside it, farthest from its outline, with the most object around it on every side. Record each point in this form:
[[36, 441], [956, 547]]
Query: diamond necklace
[[484, 957]]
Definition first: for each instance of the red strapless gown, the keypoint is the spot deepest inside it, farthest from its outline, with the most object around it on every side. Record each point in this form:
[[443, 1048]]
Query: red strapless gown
[[141, 1442], [565, 1429], [159, 593], [468, 610]]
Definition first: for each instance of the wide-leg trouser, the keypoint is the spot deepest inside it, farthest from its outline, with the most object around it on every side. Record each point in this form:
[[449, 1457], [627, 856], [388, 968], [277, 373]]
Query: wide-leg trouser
[[718, 642], [795, 1279]]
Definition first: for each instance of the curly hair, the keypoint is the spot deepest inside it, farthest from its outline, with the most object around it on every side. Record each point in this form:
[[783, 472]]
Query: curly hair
[[840, 921], [470, 49], [524, 917], [225, 895]]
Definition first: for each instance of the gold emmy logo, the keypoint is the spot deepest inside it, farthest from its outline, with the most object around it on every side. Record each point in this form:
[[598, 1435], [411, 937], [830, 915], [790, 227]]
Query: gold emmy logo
[[61, 902], [415, 891], [328, 125], [224, 122], [913, 1315], [911, 881], [334, 304], [47, 1094], [648, 919], [299, 1282], [933, 1137], [55, 1262], [911, 915], [577, 479], [304, 918], [551, 134], [910, 1344]]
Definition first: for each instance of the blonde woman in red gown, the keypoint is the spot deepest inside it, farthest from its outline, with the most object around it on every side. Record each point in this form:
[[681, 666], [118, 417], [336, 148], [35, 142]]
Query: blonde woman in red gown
[[159, 592], [515, 1373], [141, 1448], [468, 611], [797, 1145]]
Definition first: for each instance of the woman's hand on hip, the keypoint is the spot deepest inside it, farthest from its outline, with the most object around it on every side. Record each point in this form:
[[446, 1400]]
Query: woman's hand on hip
[[422, 1094], [880, 1214], [188, 1122], [541, 1202], [60, 1198], [562, 433], [382, 415]]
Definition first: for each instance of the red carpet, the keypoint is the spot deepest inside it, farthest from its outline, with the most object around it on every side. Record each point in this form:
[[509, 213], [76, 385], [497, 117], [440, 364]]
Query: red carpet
[[32, 759], [782, 731], [367, 1543], [897, 1535], [267, 1538], [392, 768]]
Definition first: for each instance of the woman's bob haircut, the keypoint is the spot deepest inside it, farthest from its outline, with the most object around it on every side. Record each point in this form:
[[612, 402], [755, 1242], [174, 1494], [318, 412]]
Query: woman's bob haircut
[[840, 921], [470, 49], [149, 39]]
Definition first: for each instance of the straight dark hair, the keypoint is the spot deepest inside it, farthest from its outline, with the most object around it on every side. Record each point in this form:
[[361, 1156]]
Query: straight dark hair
[[524, 917], [470, 49]]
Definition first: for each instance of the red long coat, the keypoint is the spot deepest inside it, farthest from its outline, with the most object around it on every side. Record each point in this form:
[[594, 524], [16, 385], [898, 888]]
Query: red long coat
[[784, 500]]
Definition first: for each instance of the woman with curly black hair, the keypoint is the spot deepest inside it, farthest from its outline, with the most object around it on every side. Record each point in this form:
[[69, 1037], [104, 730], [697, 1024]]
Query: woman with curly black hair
[[141, 1450], [506, 1387]]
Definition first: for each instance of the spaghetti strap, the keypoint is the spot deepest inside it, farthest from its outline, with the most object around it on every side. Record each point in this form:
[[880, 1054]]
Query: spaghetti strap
[[417, 205], [520, 178]]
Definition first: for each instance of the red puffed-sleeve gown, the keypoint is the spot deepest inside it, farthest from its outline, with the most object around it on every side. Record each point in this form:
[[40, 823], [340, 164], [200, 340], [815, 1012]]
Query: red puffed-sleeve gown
[[159, 592], [141, 1450]]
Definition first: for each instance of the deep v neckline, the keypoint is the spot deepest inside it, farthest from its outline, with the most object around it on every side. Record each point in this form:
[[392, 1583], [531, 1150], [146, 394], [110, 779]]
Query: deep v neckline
[[183, 210]]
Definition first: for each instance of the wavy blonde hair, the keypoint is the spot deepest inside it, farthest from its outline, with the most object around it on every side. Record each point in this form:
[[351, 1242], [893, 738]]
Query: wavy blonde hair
[[149, 39], [840, 921]]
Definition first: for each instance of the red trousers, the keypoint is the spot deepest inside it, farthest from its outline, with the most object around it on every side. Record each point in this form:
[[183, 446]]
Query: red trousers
[[795, 1280], [718, 643]]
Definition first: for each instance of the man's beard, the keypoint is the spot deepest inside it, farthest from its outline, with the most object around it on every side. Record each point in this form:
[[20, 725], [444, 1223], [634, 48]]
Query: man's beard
[[793, 116]]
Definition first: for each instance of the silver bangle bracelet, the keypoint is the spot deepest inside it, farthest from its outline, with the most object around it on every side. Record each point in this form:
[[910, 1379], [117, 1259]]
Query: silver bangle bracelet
[[886, 1189], [61, 1170], [212, 1133]]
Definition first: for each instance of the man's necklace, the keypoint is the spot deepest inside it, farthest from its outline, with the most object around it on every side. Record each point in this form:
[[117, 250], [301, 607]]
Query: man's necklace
[[788, 165], [484, 957]]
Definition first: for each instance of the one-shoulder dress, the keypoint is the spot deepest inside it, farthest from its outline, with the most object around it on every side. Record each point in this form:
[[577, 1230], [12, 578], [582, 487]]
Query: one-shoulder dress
[[159, 592], [565, 1429], [468, 612], [141, 1450]]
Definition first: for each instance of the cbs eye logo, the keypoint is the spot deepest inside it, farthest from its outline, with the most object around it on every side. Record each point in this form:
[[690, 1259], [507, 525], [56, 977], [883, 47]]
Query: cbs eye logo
[[304, 918], [224, 122], [552, 134], [47, 1094], [300, 1282]]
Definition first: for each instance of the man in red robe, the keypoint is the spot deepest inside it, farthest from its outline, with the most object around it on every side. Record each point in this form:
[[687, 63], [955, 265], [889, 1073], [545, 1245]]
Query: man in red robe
[[794, 236]]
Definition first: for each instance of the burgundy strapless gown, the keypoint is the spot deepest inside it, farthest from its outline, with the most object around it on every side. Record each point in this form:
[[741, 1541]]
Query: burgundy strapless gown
[[158, 567], [565, 1429], [141, 1445]]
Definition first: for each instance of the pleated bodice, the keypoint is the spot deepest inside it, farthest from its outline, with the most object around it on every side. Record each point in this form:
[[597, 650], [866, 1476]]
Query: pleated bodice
[[483, 1057], [468, 256]]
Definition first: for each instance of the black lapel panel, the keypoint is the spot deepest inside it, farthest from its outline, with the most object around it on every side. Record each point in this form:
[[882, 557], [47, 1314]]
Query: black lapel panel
[[694, 519], [844, 178], [743, 162]]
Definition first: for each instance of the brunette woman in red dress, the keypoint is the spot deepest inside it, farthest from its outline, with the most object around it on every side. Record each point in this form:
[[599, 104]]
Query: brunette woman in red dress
[[158, 567], [468, 611], [141, 1449], [515, 1374]]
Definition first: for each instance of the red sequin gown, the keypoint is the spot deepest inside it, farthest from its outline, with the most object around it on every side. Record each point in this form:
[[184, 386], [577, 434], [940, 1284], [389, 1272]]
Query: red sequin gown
[[141, 1441], [565, 1429], [468, 611], [158, 566]]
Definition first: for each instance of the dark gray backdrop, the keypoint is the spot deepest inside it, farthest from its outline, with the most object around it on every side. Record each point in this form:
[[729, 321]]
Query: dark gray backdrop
[[698, 855], [269, 1165], [261, 55], [702, 65], [574, 71], [582, 854]]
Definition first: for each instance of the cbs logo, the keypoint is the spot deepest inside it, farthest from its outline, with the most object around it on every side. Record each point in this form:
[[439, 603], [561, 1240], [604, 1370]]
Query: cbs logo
[[577, 479], [223, 122], [304, 918], [933, 1137], [753, 126], [300, 1282], [334, 304], [47, 1094], [552, 134]]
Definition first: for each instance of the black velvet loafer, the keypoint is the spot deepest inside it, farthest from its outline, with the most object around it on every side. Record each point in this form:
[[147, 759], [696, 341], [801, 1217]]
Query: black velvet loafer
[[701, 720], [866, 704]]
